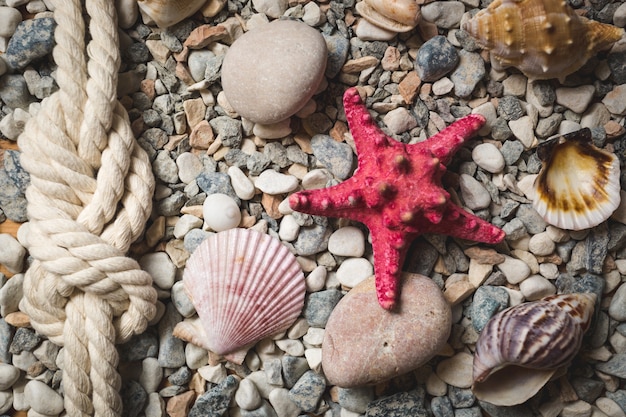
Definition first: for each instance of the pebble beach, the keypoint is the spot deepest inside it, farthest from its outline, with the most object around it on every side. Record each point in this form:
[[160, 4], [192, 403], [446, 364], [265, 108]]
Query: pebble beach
[[227, 160]]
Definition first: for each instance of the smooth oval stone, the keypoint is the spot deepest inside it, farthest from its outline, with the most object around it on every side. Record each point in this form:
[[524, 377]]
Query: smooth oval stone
[[364, 344], [272, 71]]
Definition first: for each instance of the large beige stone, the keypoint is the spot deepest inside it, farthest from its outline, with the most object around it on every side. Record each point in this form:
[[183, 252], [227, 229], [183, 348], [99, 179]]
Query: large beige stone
[[365, 344]]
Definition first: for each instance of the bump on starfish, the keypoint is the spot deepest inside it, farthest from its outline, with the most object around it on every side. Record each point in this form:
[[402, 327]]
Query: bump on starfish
[[396, 192]]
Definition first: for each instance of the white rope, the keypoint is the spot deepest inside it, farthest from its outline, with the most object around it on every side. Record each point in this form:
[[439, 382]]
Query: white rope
[[89, 199]]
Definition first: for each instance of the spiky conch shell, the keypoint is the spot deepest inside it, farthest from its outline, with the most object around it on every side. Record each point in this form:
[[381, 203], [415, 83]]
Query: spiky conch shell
[[578, 186], [245, 286], [521, 347], [166, 13], [542, 38]]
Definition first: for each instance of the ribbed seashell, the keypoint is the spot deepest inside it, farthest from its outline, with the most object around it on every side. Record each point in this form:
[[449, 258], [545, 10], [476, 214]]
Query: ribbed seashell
[[521, 347], [393, 15], [579, 184], [166, 13], [245, 286], [542, 38]]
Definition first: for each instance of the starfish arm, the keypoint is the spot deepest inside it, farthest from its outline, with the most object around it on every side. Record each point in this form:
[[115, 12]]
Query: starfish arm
[[341, 200], [368, 136], [461, 224], [445, 143], [389, 248]]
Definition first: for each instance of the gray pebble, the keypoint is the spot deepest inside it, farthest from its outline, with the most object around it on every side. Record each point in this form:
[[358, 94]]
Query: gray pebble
[[172, 391], [197, 62], [171, 205], [25, 339], [213, 66], [617, 63], [500, 129], [461, 397], [214, 403], [171, 349], [193, 238], [308, 391], [319, 305], [217, 183], [619, 397], [47, 353], [277, 154], [487, 301], [441, 407], [549, 126], [401, 404], [510, 108], [468, 73], [33, 39], [14, 91], [293, 368], [356, 399], [312, 240], [6, 334], [165, 168], [531, 219], [228, 129], [338, 48], [585, 282], [134, 398], [468, 412], [181, 377], [596, 248], [139, 347], [617, 309], [335, 156], [273, 371], [587, 389], [511, 151], [435, 58], [13, 182]]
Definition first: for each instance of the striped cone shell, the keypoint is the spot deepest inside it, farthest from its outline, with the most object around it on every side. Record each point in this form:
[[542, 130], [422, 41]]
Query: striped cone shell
[[521, 347], [246, 286]]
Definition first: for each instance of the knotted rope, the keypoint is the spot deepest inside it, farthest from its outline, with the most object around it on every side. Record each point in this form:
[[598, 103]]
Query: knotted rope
[[89, 198]]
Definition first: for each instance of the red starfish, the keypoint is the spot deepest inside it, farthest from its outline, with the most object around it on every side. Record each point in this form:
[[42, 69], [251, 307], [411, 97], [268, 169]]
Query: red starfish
[[396, 192]]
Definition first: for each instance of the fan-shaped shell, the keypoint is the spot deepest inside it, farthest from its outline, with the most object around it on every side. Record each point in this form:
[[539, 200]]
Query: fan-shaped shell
[[245, 286], [542, 38], [578, 186], [166, 13], [521, 347], [393, 15]]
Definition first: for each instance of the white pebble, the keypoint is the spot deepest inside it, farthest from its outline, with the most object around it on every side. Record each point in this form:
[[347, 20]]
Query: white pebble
[[160, 266], [283, 405], [514, 270], [316, 279], [9, 374], [9, 19], [314, 358], [488, 157], [181, 300], [367, 31], [549, 270], [575, 98], [243, 186], [541, 244], [6, 401], [435, 386], [354, 270], [347, 241], [298, 329], [247, 395], [611, 280], [42, 398], [289, 228], [317, 178], [151, 375], [272, 182], [195, 356], [11, 294], [442, 86], [272, 130], [399, 120], [523, 130], [609, 407], [536, 287], [189, 167], [185, 223], [213, 373], [220, 212], [488, 111], [474, 194], [291, 347], [478, 272], [457, 370], [314, 336], [12, 253]]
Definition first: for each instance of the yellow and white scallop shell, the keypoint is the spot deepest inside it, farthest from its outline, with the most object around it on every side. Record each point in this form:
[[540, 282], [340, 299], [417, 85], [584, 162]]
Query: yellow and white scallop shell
[[542, 38], [522, 347], [578, 186]]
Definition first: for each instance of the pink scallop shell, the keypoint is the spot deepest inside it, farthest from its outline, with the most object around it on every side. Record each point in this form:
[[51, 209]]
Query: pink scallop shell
[[245, 286]]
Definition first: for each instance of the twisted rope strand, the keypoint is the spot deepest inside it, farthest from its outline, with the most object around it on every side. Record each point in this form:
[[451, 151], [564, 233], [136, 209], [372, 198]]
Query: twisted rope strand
[[89, 199]]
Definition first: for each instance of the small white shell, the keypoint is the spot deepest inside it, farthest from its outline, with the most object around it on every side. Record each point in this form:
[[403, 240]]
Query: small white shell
[[245, 286], [393, 15], [578, 186], [166, 13], [521, 347]]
